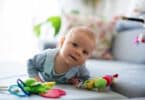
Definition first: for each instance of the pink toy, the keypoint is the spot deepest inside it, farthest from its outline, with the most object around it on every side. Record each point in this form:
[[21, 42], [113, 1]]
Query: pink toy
[[140, 39], [53, 93]]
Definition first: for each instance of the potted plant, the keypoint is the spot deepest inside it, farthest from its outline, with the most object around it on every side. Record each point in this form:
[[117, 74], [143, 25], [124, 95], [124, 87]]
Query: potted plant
[[52, 27], [54, 20]]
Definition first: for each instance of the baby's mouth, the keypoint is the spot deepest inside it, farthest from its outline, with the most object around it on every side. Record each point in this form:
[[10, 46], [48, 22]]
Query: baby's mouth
[[73, 58]]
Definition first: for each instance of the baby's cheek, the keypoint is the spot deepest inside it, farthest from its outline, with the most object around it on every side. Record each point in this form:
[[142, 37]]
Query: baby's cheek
[[82, 61], [66, 49]]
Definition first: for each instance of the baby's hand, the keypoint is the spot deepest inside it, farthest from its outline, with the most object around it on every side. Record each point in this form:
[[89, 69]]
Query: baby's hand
[[37, 78], [107, 56], [74, 81]]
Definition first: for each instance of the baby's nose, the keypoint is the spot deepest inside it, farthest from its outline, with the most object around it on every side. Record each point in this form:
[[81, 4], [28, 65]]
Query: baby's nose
[[78, 52]]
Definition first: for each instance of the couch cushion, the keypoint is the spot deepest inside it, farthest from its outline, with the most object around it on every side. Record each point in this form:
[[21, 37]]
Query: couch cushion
[[131, 80], [81, 94], [10, 69], [142, 98]]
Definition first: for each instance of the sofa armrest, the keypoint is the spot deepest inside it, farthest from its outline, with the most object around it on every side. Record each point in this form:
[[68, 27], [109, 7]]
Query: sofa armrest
[[125, 25], [125, 50], [47, 44]]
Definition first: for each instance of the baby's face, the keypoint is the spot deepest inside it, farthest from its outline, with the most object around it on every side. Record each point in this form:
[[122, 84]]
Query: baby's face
[[76, 48]]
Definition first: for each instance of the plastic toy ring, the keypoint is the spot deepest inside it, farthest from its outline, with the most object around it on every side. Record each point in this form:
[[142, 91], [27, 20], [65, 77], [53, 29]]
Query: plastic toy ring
[[21, 86]]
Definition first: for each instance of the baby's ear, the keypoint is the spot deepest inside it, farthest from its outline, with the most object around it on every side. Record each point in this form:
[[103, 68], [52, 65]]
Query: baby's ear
[[61, 41]]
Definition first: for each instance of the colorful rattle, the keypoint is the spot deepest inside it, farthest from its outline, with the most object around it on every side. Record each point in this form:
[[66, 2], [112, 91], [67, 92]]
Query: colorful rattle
[[99, 83], [31, 86]]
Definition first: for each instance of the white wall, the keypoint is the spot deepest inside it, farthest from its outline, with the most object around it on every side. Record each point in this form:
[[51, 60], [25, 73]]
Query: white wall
[[105, 8], [16, 30], [1, 14], [17, 41], [118, 7]]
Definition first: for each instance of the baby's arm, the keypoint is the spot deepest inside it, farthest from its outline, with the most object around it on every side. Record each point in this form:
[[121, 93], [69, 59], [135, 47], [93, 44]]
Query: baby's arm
[[35, 65], [74, 81], [84, 73]]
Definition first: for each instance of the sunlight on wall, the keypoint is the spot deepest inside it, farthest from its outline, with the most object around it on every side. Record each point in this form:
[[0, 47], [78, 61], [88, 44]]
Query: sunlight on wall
[[17, 41]]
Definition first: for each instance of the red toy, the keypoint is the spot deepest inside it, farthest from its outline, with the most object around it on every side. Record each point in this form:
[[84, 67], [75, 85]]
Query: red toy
[[110, 78]]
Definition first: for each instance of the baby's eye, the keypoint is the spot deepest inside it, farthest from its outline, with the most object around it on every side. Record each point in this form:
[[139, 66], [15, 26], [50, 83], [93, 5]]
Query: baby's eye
[[75, 44], [85, 52]]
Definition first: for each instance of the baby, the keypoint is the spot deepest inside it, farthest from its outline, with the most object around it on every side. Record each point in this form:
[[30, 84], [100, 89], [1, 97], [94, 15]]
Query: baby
[[65, 64]]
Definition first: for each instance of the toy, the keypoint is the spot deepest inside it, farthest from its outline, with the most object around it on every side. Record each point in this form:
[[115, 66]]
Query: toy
[[140, 39], [43, 89], [99, 83], [53, 93], [34, 87], [16, 90], [31, 86]]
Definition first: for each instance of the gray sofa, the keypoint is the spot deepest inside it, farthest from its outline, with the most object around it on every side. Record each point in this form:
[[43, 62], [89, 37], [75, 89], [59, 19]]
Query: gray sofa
[[129, 63]]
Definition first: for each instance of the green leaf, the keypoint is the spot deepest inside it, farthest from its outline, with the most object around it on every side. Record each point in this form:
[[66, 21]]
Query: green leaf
[[54, 20], [37, 30], [56, 23]]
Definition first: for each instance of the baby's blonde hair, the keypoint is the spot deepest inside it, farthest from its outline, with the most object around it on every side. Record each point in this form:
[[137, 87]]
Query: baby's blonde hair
[[80, 29], [84, 29]]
